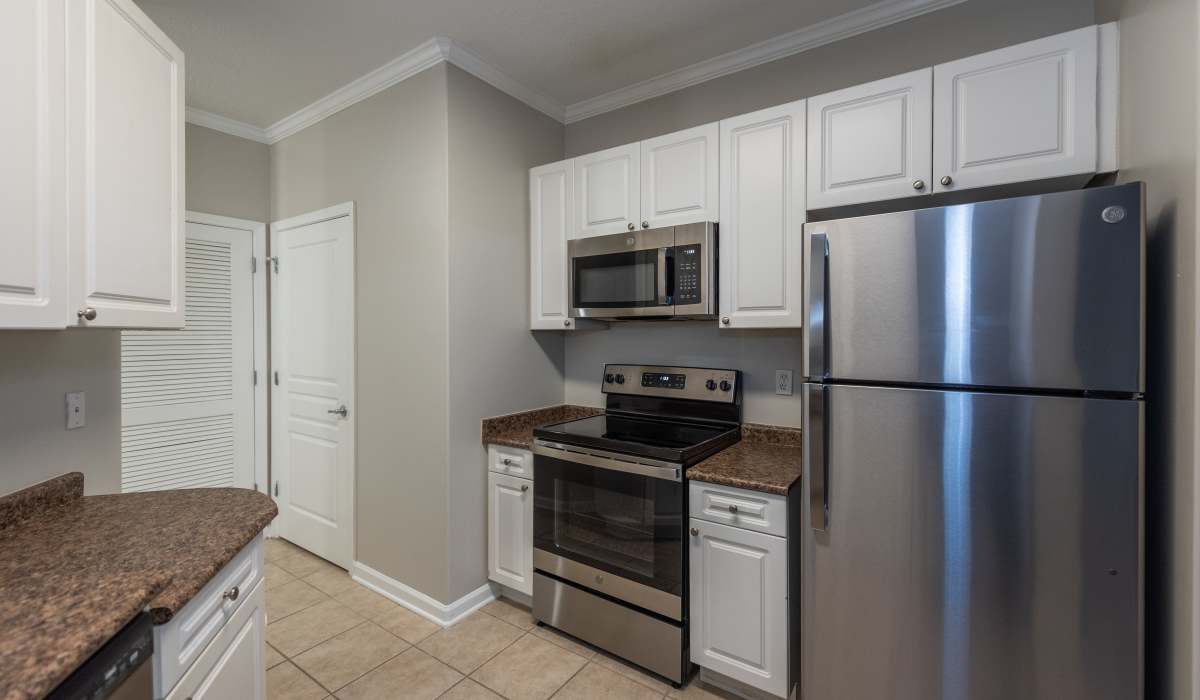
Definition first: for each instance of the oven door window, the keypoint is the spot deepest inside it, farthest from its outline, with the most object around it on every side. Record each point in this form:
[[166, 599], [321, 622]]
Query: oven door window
[[626, 524], [617, 280]]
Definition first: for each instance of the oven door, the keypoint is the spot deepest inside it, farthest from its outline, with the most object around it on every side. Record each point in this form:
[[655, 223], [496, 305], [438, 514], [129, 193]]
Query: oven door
[[614, 527], [626, 274]]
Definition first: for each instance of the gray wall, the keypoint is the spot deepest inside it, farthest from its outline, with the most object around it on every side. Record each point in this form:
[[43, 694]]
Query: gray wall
[[1159, 146], [962, 30], [497, 365], [37, 369], [227, 175], [388, 154]]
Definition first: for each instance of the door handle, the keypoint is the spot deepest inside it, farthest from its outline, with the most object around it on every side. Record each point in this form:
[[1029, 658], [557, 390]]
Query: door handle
[[339, 411], [816, 455], [818, 305]]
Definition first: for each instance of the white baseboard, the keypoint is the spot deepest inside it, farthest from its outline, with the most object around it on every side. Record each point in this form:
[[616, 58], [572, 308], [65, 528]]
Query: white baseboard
[[423, 605]]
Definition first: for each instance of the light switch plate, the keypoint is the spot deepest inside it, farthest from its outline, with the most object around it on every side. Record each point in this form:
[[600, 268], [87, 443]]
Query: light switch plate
[[76, 414], [783, 382]]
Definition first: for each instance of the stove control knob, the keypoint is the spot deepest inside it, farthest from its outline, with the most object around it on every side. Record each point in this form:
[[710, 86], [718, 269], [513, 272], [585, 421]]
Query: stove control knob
[[620, 379], [608, 379], [725, 385], [711, 385]]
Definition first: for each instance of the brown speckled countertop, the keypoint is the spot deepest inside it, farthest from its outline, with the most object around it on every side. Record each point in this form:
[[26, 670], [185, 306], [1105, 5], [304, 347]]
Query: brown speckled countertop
[[766, 459], [74, 569], [516, 429]]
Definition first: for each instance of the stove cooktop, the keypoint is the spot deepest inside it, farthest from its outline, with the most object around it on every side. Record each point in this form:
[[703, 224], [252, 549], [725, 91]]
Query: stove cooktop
[[670, 440]]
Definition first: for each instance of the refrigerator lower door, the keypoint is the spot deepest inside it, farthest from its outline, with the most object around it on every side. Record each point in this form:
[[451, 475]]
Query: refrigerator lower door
[[970, 546]]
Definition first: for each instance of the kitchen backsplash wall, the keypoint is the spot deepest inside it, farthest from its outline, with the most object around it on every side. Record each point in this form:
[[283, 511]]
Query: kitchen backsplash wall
[[691, 344], [37, 369]]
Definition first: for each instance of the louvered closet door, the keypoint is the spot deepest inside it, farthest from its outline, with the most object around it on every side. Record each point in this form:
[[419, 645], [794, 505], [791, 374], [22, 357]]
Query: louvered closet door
[[187, 396]]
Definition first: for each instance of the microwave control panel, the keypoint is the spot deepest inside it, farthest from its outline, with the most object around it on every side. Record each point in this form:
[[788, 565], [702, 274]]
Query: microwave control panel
[[687, 274]]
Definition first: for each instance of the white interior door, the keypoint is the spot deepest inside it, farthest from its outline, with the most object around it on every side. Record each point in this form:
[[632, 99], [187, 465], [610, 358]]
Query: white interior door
[[187, 396], [312, 348]]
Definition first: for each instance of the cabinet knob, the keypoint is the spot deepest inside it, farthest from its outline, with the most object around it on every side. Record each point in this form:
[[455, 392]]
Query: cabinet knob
[[631, 226], [918, 184], [725, 320], [506, 462], [87, 313], [566, 323], [232, 593], [645, 224], [946, 180], [524, 488], [695, 532], [732, 508]]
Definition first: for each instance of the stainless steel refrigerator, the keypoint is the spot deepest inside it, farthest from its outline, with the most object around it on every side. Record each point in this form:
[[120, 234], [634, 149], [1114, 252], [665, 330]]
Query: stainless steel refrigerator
[[973, 436]]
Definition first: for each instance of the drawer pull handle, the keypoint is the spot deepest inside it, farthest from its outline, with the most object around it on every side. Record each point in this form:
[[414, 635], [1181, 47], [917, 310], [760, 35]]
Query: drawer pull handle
[[231, 594], [506, 462], [732, 508], [695, 531], [524, 488]]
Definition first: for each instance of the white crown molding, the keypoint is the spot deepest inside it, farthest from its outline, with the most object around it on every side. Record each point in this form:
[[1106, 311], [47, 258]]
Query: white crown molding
[[844, 26], [229, 126], [430, 53], [476, 66]]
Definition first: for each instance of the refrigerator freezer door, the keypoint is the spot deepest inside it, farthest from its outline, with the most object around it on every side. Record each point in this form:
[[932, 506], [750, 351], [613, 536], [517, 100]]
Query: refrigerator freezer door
[[981, 546], [1030, 292]]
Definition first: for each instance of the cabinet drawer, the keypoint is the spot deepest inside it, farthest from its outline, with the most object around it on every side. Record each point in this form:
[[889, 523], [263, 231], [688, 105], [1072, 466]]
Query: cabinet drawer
[[749, 510], [233, 665], [178, 643], [511, 461]]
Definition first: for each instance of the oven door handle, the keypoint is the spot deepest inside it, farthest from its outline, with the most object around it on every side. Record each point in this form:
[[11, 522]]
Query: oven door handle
[[609, 460]]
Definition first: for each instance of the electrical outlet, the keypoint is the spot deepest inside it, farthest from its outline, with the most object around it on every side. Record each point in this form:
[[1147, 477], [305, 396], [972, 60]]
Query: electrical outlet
[[76, 414], [783, 382]]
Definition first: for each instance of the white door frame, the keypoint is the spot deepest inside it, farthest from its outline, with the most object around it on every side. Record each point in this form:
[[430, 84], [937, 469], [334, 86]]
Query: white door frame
[[258, 232], [337, 211]]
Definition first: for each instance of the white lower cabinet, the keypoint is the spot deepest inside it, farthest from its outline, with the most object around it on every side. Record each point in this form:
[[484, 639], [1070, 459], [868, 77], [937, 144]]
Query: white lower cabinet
[[739, 605], [510, 531], [214, 646], [234, 664]]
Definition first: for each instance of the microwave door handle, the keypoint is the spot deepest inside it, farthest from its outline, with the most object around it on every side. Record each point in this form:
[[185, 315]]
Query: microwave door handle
[[666, 257]]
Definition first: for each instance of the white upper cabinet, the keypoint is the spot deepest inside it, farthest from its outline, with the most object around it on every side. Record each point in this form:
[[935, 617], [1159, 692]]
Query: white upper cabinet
[[551, 190], [762, 218], [126, 167], [607, 191], [680, 177], [33, 266], [1025, 112], [871, 142]]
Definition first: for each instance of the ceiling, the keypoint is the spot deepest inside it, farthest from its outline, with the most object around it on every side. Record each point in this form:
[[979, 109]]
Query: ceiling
[[258, 61]]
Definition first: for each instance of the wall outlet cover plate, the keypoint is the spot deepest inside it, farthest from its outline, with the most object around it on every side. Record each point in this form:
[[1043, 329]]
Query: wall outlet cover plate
[[783, 382], [76, 413]]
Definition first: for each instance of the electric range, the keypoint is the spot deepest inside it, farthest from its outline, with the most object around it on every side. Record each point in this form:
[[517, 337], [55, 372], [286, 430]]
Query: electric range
[[610, 509]]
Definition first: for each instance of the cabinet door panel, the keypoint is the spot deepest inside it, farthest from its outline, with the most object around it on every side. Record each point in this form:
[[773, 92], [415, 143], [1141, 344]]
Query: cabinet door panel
[[233, 665], [607, 191], [33, 275], [126, 166], [1025, 112], [739, 604], [551, 206], [510, 532], [680, 177], [763, 212], [871, 142]]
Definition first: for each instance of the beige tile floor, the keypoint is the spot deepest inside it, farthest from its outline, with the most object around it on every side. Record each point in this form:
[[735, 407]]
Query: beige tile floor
[[329, 637]]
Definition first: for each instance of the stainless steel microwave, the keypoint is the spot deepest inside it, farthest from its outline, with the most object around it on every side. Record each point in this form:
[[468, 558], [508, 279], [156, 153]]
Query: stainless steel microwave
[[668, 272]]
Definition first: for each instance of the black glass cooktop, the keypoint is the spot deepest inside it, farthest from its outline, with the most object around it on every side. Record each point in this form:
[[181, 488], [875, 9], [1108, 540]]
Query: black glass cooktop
[[671, 440]]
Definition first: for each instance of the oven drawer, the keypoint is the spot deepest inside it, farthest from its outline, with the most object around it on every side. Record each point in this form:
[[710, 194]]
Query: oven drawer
[[511, 461], [749, 510]]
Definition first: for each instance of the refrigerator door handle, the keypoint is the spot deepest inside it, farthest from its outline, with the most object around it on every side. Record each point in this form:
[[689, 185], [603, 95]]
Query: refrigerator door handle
[[818, 305], [816, 456]]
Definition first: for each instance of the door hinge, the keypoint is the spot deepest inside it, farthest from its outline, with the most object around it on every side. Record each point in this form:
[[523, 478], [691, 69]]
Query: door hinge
[[274, 262], [253, 264], [276, 489], [276, 377]]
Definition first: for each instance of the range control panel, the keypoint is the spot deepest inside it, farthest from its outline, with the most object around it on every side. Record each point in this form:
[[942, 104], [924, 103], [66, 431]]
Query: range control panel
[[695, 383]]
